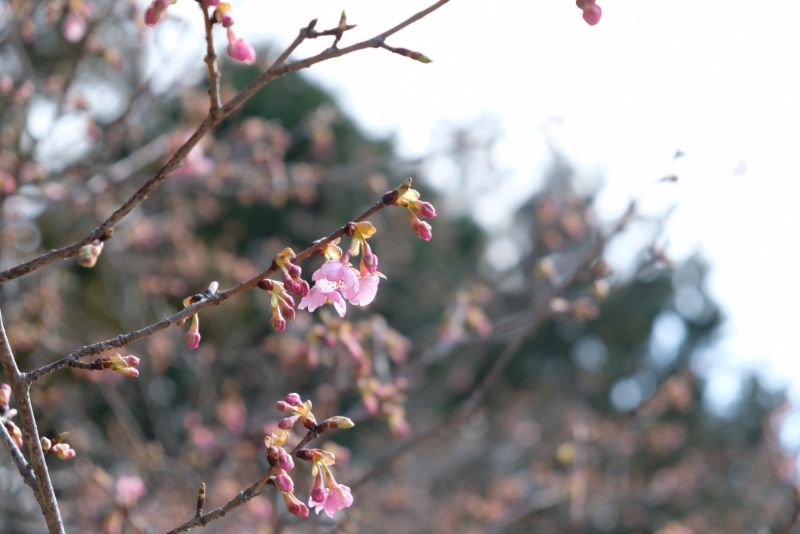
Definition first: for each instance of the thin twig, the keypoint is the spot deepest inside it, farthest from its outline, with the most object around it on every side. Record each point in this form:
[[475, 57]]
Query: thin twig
[[22, 464], [211, 65], [105, 230], [43, 490]]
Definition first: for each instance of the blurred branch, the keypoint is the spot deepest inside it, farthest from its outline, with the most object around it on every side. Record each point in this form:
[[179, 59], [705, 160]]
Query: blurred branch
[[23, 466], [211, 65], [541, 313], [207, 300], [255, 489], [43, 490], [105, 230]]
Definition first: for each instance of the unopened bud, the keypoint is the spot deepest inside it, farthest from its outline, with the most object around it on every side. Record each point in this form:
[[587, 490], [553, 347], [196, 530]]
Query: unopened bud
[[46, 443], [89, 254], [266, 284]]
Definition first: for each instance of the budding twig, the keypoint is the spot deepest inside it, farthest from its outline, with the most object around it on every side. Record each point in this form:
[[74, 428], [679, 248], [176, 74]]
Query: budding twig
[[278, 69], [204, 301]]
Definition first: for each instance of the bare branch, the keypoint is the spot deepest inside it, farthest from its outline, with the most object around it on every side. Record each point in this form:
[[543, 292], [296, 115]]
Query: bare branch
[[211, 65], [105, 230]]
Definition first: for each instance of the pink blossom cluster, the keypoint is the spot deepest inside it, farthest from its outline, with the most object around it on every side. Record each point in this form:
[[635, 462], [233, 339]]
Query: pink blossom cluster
[[326, 493], [591, 11], [238, 48]]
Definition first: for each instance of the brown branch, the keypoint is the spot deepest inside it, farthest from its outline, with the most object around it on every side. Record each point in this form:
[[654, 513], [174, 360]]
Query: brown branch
[[43, 491], [72, 359], [211, 64], [255, 489], [24, 468], [105, 230], [541, 313]]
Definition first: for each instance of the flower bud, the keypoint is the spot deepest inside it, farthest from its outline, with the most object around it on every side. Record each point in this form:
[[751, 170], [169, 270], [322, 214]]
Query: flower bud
[[46, 443], [286, 423], [283, 482], [421, 229], [294, 399], [89, 254], [266, 284]]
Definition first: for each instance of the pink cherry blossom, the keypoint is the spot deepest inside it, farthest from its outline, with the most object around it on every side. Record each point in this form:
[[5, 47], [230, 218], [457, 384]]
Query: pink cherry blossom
[[336, 498], [239, 49], [333, 282], [367, 289]]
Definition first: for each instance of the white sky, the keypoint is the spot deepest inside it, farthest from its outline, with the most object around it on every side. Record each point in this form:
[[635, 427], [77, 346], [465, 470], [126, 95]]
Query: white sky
[[717, 79]]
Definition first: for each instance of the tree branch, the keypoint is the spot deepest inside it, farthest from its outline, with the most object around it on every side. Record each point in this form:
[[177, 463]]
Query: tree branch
[[178, 318], [255, 489], [43, 490], [211, 65], [105, 230]]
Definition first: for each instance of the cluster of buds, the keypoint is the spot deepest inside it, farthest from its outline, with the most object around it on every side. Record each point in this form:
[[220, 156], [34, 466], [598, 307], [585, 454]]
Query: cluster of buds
[[326, 493], [386, 400], [281, 301], [417, 209], [89, 254], [290, 273], [57, 446], [6, 414], [591, 11]]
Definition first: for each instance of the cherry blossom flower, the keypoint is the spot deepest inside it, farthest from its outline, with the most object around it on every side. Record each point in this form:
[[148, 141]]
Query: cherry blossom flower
[[239, 49], [326, 494], [334, 282]]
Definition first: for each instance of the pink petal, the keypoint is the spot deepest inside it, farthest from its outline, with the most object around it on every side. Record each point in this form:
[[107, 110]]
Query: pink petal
[[367, 289]]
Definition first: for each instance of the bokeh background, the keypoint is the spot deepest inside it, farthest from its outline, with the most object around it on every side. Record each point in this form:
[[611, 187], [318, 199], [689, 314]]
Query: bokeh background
[[666, 406]]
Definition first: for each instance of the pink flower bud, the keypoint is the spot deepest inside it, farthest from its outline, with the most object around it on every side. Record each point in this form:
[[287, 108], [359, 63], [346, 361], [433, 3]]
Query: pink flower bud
[[63, 451], [284, 407], [293, 399], [294, 506], [294, 270], [424, 209], [287, 423], [131, 360], [285, 459], [278, 322], [155, 12], [283, 481], [592, 13], [421, 229], [130, 372], [193, 335], [239, 49]]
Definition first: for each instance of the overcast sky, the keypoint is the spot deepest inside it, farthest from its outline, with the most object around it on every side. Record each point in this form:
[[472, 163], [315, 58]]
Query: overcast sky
[[715, 79]]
